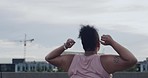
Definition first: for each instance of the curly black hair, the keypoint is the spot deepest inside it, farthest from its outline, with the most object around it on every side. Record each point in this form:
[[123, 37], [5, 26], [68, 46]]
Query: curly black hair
[[89, 37]]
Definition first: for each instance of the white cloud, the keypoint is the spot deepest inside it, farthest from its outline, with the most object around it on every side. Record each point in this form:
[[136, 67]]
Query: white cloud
[[13, 50], [50, 22]]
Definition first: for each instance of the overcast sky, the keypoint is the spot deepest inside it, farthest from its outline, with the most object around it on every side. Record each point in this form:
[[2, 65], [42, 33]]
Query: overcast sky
[[52, 22]]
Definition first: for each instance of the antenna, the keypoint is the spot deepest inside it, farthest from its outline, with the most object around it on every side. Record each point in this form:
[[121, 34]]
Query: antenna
[[25, 44]]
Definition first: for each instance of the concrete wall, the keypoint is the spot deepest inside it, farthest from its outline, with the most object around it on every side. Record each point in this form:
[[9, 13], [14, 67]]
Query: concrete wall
[[33, 75], [131, 75], [64, 75]]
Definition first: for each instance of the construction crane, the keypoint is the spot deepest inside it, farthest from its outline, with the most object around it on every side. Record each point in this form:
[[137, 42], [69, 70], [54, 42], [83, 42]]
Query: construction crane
[[25, 44]]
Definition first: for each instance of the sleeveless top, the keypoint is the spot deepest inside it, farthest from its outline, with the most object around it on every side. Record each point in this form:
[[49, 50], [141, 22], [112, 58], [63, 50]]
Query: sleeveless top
[[87, 67]]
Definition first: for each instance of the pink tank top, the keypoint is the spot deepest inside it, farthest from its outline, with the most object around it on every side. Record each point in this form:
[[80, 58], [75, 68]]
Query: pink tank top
[[87, 67]]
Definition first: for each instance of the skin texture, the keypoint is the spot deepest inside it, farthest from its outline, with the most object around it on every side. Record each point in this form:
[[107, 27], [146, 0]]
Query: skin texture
[[124, 60], [111, 63], [62, 61]]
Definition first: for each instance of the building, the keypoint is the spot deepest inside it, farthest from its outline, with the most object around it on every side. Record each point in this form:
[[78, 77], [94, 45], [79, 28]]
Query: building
[[20, 65], [33, 67], [18, 60], [7, 67], [143, 66]]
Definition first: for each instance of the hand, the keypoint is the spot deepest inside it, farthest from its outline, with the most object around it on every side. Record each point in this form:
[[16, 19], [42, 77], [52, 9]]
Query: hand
[[69, 43], [106, 40]]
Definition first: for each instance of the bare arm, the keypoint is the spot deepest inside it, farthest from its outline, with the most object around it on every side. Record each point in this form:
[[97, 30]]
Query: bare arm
[[55, 57], [124, 60], [55, 53]]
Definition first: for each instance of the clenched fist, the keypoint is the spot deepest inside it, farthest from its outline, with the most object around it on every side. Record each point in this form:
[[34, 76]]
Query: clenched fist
[[69, 43], [106, 40]]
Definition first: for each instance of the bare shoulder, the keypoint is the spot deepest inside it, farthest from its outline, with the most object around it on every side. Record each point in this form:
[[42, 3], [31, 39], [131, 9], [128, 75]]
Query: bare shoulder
[[113, 63], [66, 61], [62, 61], [105, 62], [67, 57]]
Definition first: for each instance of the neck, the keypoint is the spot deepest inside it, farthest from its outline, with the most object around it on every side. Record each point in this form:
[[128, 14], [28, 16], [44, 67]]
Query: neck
[[88, 53]]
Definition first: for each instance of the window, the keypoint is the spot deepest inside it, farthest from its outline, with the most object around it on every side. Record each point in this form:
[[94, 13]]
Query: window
[[18, 68], [143, 67], [23, 68]]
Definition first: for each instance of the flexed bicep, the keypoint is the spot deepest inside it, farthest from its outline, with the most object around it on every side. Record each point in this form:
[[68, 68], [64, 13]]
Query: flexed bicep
[[114, 63]]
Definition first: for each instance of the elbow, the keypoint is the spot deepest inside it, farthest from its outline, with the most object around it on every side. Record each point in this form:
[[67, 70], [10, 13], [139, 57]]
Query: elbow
[[133, 61], [47, 59]]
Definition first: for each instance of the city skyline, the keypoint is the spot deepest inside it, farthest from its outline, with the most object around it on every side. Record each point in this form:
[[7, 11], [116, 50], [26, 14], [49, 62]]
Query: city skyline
[[51, 22]]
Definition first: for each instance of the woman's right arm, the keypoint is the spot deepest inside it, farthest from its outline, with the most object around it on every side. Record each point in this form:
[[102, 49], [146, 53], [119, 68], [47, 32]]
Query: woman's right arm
[[124, 60], [56, 58]]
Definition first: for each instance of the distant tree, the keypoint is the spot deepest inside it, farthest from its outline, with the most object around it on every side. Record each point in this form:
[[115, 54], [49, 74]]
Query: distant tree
[[60, 70], [49, 69], [39, 68], [132, 69]]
